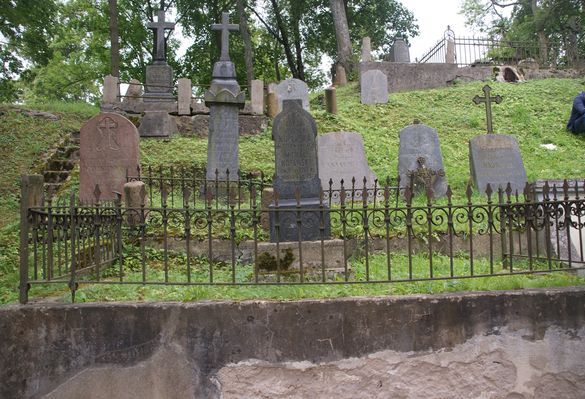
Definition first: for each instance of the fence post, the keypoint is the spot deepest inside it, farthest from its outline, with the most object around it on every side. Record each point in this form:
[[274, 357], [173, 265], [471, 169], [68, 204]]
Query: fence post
[[31, 195]]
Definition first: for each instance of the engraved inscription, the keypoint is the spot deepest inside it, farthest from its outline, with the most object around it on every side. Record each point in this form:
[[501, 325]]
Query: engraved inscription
[[296, 150], [222, 152]]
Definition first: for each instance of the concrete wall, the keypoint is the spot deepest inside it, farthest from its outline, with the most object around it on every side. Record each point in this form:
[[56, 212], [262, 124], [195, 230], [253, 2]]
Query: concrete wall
[[521, 344], [413, 76]]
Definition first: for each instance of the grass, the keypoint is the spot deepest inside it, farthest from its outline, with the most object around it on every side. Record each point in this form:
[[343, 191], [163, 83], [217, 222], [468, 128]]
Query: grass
[[534, 112]]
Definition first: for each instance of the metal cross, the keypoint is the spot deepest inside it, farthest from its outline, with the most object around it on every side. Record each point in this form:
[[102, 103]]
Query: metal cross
[[488, 105], [107, 128], [159, 27], [423, 174], [225, 27]]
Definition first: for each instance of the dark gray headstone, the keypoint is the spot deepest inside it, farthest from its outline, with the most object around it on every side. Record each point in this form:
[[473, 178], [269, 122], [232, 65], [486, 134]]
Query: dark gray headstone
[[293, 89], [400, 51], [496, 159], [374, 87], [420, 161], [157, 124], [159, 83], [342, 157], [297, 168]]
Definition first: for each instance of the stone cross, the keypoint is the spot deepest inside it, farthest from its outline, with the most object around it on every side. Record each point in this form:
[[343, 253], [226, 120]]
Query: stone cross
[[488, 105], [159, 27], [225, 27]]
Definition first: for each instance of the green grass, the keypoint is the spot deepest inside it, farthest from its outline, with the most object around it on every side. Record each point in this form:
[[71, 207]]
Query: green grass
[[534, 112]]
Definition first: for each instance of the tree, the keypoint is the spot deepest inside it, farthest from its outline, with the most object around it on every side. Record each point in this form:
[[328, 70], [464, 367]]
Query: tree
[[114, 42], [344, 52], [244, 31]]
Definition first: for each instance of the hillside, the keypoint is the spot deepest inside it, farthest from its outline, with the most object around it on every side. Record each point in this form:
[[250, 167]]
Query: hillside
[[535, 112]]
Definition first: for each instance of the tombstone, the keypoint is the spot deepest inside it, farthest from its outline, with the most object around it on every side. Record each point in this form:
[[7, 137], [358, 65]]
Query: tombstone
[[111, 90], [400, 51], [366, 49], [257, 97], [331, 100], [450, 51], [134, 93], [340, 75], [157, 124], [420, 162], [224, 99], [374, 87], [159, 76], [342, 156], [293, 89], [109, 147], [496, 159], [297, 171], [184, 96]]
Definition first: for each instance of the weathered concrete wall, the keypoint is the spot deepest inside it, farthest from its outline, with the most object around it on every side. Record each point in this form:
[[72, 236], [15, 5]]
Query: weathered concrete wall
[[413, 76], [522, 344]]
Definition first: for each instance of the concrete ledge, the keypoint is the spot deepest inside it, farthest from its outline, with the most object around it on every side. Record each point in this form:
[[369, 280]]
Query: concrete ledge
[[188, 350]]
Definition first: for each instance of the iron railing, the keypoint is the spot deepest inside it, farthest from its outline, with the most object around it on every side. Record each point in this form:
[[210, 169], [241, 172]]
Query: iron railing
[[388, 235], [483, 51]]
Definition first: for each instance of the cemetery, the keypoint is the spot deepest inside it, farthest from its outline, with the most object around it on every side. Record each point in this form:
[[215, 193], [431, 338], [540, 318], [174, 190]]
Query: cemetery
[[415, 228]]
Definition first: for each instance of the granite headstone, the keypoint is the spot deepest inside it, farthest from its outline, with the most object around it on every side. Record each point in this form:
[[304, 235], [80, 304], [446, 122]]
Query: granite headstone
[[420, 162], [293, 89], [496, 159], [342, 156], [297, 170], [109, 147], [374, 87]]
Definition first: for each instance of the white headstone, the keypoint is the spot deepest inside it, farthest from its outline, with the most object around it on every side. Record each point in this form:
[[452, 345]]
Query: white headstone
[[374, 87], [184, 96], [293, 89], [257, 97]]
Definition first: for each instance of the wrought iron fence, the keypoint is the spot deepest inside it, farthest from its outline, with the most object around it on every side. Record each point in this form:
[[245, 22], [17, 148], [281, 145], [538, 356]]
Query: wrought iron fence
[[483, 51], [381, 235]]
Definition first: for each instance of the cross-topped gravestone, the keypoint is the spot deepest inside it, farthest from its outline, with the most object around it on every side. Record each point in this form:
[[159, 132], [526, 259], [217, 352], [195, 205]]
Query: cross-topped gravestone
[[487, 100], [159, 27], [225, 27]]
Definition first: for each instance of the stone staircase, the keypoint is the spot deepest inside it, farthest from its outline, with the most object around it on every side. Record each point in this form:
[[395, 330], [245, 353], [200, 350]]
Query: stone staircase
[[60, 163]]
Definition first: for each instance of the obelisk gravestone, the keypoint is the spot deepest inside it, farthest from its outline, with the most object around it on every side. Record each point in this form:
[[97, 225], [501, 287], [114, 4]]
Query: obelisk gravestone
[[297, 174], [224, 99]]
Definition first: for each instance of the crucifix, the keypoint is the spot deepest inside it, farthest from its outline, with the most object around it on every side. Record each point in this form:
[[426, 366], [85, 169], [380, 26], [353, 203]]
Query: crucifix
[[159, 27], [488, 105], [225, 27]]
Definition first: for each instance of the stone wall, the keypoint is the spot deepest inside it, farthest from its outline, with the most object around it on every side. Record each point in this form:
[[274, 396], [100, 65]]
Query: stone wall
[[519, 344], [413, 76]]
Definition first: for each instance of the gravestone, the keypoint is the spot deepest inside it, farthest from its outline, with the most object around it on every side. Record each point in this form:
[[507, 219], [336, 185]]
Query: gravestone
[[340, 76], [133, 93], [420, 161], [159, 76], [157, 124], [293, 89], [366, 49], [111, 90], [496, 159], [109, 147], [297, 169], [342, 156], [224, 99], [400, 51], [374, 87], [184, 96], [257, 97]]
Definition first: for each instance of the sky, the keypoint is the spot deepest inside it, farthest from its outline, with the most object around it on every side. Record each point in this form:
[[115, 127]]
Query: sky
[[432, 17]]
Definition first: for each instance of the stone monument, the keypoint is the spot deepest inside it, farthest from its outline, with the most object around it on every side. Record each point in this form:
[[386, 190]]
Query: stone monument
[[224, 99], [297, 173], [109, 147], [400, 51], [342, 157], [420, 162], [495, 158], [366, 49], [293, 89], [374, 87]]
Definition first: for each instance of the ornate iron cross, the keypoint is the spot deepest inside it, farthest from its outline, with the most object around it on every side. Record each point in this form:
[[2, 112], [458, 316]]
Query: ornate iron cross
[[488, 105], [225, 27], [159, 27], [423, 174]]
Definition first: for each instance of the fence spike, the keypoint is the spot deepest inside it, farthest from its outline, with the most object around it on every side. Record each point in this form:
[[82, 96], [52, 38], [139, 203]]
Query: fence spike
[[469, 191], [489, 191], [509, 190], [97, 193], [408, 195]]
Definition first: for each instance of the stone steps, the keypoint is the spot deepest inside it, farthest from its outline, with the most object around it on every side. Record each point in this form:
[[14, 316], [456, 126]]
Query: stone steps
[[61, 162]]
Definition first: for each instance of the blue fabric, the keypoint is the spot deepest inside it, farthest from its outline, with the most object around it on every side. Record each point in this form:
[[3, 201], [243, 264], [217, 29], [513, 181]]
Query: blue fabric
[[576, 122]]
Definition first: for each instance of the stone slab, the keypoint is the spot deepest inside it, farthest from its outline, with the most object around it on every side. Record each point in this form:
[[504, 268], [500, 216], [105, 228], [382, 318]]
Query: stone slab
[[342, 156], [157, 124], [223, 140], [400, 51], [109, 146], [366, 49], [496, 159], [293, 89], [159, 83], [111, 90], [285, 224], [419, 141], [374, 87], [257, 97], [184, 96], [134, 93]]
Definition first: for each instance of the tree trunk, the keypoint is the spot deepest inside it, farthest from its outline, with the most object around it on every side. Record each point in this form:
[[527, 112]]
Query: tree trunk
[[296, 22], [284, 39], [542, 40], [248, 55], [114, 41], [344, 51]]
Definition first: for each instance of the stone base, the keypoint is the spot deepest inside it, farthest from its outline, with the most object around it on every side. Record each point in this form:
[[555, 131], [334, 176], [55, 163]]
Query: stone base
[[333, 251], [249, 125], [157, 124], [284, 226]]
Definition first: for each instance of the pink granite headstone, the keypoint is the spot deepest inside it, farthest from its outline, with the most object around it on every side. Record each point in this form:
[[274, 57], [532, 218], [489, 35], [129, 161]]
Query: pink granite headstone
[[109, 146]]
